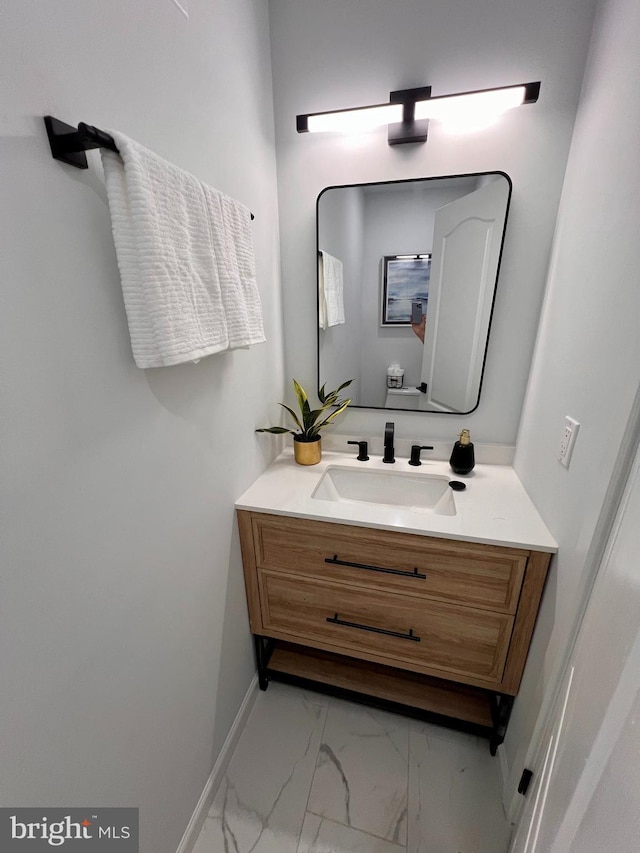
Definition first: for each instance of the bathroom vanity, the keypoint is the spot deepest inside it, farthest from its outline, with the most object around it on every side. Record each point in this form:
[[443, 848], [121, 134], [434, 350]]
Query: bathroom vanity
[[427, 610]]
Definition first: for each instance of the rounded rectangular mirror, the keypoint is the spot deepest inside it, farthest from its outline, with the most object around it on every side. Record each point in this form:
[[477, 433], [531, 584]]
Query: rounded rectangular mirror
[[407, 272]]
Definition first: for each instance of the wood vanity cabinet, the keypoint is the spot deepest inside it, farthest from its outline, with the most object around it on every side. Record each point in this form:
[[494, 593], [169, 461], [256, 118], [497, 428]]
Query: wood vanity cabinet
[[437, 627]]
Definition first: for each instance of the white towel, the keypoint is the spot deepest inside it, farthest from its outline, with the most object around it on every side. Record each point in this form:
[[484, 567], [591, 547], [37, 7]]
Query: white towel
[[185, 256], [232, 241], [330, 291], [322, 299]]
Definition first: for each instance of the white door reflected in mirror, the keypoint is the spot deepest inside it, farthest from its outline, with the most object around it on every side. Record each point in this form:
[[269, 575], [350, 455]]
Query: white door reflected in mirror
[[467, 239]]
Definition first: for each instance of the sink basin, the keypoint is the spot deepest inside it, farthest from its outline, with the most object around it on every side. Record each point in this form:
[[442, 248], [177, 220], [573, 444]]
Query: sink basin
[[428, 492]]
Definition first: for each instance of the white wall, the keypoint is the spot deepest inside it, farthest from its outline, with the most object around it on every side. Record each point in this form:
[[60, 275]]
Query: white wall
[[334, 54], [587, 361], [124, 644]]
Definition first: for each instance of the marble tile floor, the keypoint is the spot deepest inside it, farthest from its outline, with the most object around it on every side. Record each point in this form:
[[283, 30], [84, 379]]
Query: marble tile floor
[[314, 774]]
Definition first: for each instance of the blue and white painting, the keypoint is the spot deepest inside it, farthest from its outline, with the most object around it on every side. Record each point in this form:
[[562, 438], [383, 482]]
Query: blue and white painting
[[406, 280]]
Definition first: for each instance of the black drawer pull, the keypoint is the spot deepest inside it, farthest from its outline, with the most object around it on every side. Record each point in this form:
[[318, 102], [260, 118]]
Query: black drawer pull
[[336, 562], [401, 636]]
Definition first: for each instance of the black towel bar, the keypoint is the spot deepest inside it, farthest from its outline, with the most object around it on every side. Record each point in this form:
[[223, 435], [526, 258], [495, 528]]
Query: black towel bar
[[69, 143]]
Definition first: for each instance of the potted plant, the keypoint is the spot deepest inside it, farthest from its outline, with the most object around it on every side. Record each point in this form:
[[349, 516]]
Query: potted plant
[[306, 439]]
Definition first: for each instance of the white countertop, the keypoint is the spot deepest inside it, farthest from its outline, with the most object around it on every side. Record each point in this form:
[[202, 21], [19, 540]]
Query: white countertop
[[494, 508]]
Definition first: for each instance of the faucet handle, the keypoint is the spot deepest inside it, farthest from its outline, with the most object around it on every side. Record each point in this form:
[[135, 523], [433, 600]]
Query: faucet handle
[[415, 453], [363, 448]]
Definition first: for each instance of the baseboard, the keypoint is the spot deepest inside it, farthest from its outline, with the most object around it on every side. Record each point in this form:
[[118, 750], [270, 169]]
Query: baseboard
[[511, 800], [503, 770], [212, 784]]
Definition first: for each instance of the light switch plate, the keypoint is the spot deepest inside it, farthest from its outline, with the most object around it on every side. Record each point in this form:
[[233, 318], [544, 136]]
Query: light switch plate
[[568, 440]]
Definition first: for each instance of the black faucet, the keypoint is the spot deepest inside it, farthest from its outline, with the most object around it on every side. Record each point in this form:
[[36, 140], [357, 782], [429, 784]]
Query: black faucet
[[363, 450], [388, 442], [415, 453]]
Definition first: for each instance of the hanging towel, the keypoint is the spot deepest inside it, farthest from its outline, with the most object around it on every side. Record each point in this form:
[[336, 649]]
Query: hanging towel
[[330, 291], [322, 299], [185, 255], [232, 241]]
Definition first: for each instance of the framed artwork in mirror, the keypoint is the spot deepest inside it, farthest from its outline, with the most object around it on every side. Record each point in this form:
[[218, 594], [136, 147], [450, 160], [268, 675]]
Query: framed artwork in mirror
[[405, 286]]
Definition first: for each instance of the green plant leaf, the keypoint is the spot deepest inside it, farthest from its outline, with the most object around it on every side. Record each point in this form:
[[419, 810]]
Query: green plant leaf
[[331, 397], [296, 420], [315, 414], [333, 415], [344, 385], [305, 408], [301, 394], [309, 422]]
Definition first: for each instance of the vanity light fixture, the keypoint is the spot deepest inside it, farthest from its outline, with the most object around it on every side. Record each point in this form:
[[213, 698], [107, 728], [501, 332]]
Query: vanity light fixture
[[409, 110]]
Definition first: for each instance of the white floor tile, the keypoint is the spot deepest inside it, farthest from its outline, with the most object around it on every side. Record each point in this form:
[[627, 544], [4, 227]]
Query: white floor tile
[[454, 794], [320, 835], [261, 803], [362, 780], [362, 772]]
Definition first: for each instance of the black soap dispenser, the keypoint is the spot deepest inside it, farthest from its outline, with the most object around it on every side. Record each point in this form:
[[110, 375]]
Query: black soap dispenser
[[462, 456]]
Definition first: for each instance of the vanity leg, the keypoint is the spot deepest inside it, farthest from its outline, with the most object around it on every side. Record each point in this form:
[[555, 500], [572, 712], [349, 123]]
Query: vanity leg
[[263, 653], [501, 708]]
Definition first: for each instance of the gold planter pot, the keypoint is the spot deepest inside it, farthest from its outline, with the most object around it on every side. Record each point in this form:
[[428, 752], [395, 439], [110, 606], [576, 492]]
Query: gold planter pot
[[307, 452]]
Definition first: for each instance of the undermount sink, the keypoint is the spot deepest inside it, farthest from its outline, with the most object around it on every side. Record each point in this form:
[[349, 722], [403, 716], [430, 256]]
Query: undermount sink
[[429, 492]]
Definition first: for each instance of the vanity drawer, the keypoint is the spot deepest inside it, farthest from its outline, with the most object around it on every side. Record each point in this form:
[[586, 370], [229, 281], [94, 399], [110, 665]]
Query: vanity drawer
[[475, 575], [416, 634]]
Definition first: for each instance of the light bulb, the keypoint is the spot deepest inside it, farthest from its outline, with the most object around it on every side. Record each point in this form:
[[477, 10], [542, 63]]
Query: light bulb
[[473, 110], [354, 121]]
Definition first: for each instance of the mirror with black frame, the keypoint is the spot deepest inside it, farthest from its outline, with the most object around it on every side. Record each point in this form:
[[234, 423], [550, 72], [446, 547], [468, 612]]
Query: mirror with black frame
[[407, 273]]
